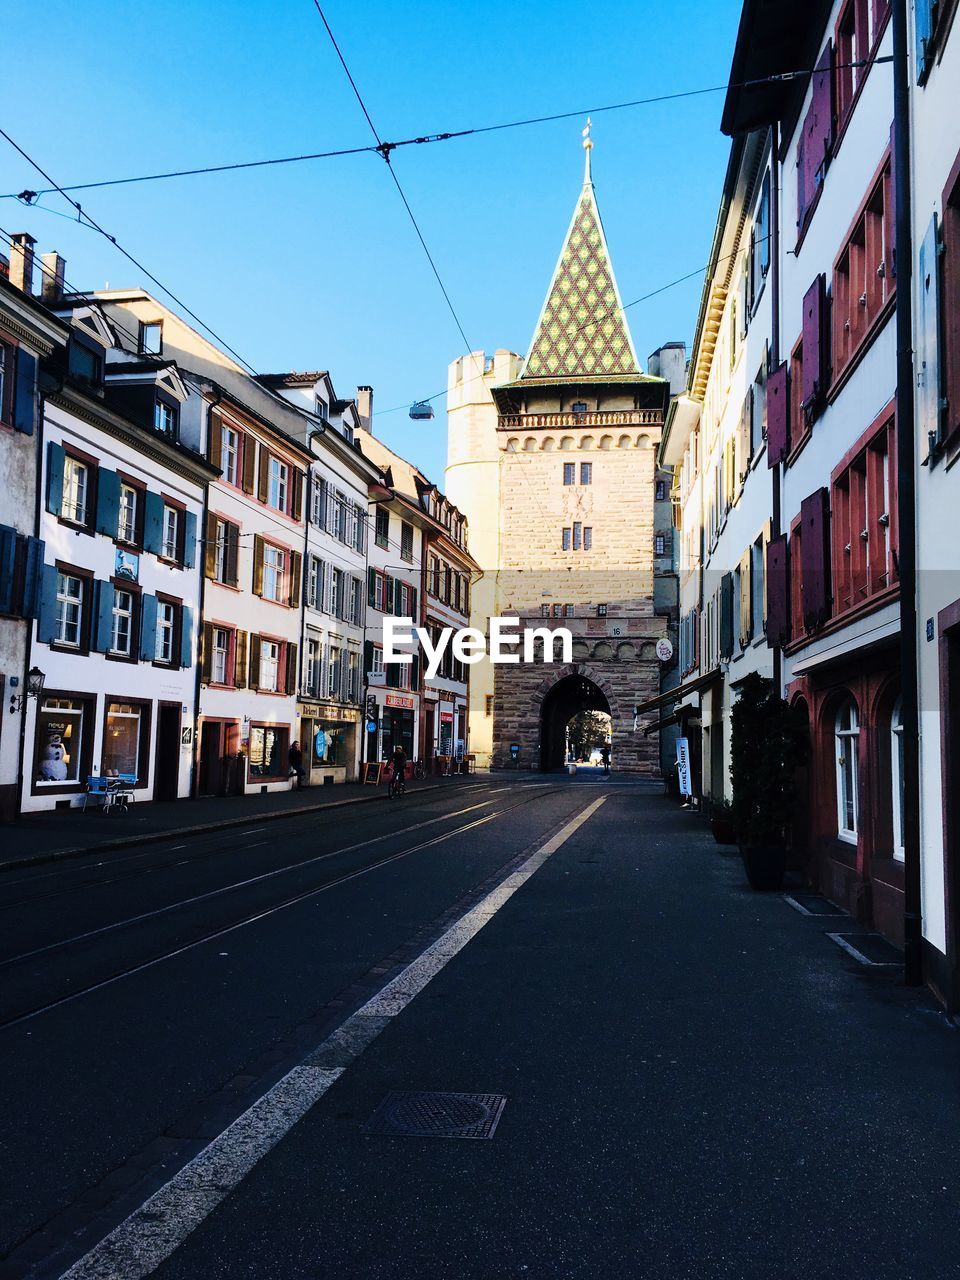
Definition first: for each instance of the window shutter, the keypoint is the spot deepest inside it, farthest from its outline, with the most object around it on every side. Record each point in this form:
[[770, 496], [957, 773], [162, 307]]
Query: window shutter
[[8, 561], [215, 442], [415, 673], [928, 336], [778, 592], [32, 577], [25, 402], [742, 459], [923, 17], [240, 660], [296, 575], [210, 547], [206, 653], [818, 133], [344, 674], [254, 662], [186, 636], [387, 593], [108, 502], [361, 530], [55, 460], [248, 448], [263, 475], [746, 596], [367, 657], [291, 674], [148, 628], [322, 504], [257, 565], [231, 565], [814, 382], [413, 604], [296, 494], [815, 558], [803, 200], [726, 616], [189, 539], [47, 620], [371, 587], [778, 416], [153, 523], [103, 632]]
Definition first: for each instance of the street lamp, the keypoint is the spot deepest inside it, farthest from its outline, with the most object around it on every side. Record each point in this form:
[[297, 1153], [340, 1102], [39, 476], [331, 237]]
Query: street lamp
[[35, 682]]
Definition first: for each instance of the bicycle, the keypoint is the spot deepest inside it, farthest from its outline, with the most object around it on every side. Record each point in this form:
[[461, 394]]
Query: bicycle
[[419, 770], [398, 784]]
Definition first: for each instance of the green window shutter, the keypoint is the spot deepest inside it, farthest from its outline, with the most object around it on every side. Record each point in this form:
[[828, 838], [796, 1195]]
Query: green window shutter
[[8, 561], [108, 502], [55, 460], [186, 636], [32, 577], [47, 612], [25, 402], [148, 628], [103, 616], [153, 523], [371, 587], [189, 539]]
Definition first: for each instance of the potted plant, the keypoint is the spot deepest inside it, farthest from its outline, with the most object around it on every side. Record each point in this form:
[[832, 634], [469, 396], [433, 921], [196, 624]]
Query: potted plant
[[768, 744], [721, 821]]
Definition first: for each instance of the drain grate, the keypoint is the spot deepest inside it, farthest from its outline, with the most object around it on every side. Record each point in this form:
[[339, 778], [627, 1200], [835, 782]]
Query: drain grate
[[437, 1115]]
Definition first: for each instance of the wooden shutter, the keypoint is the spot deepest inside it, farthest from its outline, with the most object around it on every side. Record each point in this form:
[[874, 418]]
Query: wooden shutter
[[924, 46], [296, 574], [240, 660], [210, 547], [47, 620], [726, 616], [371, 587], [248, 448], [189, 539], [742, 460], [815, 557], [206, 652], [186, 636], [263, 475], [813, 155], [148, 628], [108, 502], [257, 565], [103, 615], [928, 335], [55, 460], [296, 493], [815, 333], [290, 685], [32, 577], [778, 592], [231, 572], [8, 559], [25, 393], [153, 522], [778, 416], [254, 661], [215, 443], [746, 597]]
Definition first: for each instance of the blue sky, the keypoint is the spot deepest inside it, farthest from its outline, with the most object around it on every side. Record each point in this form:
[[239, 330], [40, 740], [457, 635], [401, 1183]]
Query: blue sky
[[315, 265]]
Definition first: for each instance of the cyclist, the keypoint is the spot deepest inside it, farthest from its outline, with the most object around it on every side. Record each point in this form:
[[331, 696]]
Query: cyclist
[[398, 780]]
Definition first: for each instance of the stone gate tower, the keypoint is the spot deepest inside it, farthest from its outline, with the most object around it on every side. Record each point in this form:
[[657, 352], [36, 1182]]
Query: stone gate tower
[[553, 461]]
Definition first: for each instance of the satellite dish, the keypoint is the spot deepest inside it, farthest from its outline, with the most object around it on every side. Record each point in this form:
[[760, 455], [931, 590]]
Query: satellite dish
[[421, 410]]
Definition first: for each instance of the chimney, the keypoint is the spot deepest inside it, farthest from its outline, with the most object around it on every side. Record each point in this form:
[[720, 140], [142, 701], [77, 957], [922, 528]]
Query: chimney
[[365, 407], [21, 261], [52, 267]]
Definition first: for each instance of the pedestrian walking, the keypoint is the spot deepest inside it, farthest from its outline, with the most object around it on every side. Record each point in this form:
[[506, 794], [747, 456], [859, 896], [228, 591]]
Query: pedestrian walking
[[605, 757], [296, 764]]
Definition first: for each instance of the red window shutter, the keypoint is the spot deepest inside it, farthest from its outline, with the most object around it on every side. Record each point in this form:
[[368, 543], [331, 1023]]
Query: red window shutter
[[818, 125], [815, 558], [778, 416], [778, 592], [815, 341]]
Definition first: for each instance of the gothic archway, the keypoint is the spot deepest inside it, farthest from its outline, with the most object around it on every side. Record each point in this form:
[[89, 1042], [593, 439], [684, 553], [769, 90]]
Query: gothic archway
[[563, 700]]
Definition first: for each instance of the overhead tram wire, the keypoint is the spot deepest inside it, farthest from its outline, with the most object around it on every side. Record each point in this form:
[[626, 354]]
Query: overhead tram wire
[[82, 215], [384, 148]]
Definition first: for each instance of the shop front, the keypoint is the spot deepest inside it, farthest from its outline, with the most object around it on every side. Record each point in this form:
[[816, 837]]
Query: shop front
[[328, 742], [78, 735], [398, 725]]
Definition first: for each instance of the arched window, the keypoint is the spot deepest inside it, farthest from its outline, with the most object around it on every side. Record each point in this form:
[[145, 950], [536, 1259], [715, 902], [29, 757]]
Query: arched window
[[896, 778], [846, 744]]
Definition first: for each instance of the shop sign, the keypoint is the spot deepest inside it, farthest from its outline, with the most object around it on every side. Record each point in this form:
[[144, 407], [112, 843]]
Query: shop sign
[[446, 717], [398, 700], [376, 678], [683, 766], [127, 565]]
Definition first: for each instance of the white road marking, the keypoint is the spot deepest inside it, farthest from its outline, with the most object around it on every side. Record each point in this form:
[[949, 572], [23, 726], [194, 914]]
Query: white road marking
[[858, 955], [163, 1222], [804, 911]]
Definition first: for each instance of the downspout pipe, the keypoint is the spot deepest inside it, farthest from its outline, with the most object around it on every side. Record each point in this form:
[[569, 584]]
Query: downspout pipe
[[776, 472], [201, 593], [906, 505]]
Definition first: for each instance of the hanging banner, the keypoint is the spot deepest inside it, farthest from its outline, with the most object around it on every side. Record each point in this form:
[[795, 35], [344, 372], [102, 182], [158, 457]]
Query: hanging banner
[[683, 767]]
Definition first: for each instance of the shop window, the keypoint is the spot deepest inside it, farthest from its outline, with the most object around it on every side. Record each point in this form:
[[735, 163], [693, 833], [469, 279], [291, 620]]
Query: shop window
[[62, 724], [847, 740], [898, 796], [268, 751], [121, 739]]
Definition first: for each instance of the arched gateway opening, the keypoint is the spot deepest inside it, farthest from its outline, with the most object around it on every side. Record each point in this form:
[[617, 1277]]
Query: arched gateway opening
[[567, 697]]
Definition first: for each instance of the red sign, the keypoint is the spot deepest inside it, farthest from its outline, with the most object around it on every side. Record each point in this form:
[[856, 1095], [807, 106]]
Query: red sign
[[398, 700], [446, 717]]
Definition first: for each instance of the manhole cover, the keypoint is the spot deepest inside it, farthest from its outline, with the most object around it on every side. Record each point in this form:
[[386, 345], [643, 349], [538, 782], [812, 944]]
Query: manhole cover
[[437, 1115]]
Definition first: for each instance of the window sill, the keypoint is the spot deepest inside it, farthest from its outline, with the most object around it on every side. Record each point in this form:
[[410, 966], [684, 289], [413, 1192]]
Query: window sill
[[75, 525], [843, 375], [127, 658], [78, 650], [838, 621]]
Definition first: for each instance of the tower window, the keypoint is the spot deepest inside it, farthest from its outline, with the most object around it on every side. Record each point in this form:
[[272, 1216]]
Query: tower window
[[601, 610], [580, 407], [569, 472]]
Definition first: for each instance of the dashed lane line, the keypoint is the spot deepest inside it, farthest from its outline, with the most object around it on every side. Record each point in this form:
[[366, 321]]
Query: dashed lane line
[[163, 1222]]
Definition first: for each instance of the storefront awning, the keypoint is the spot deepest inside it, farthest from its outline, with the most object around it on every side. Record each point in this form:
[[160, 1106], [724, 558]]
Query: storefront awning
[[681, 691]]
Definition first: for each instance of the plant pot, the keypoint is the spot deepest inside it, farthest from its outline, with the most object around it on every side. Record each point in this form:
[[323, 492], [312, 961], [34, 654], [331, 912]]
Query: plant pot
[[765, 865], [723, 831]]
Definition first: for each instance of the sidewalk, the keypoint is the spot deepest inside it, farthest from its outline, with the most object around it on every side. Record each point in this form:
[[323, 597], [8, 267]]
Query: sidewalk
[[67, 833]]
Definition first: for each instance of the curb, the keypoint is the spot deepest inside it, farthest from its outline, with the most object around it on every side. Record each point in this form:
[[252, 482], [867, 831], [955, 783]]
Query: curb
[[224, 824]]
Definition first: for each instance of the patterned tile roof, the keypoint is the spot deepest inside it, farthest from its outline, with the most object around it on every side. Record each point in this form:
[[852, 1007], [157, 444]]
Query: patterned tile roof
[[582, 330]]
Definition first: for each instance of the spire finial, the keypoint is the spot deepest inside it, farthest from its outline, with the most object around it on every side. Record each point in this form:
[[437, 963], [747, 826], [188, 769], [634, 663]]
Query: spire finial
[[588, 147]]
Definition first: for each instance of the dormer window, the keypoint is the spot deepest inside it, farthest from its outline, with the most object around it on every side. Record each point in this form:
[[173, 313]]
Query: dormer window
[[151, 338], [165, 418], [84, 363], [321, 409]]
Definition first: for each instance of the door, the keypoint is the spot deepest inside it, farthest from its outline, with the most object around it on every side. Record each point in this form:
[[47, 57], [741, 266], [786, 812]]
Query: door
[[167, 768], [210, 773], [429, 736]]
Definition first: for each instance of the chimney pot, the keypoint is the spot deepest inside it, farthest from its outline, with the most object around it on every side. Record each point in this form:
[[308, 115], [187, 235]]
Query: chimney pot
[[21, 261], [52, 268]]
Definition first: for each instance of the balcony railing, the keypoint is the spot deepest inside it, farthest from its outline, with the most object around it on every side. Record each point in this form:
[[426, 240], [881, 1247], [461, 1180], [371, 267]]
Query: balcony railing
[[609, 418]]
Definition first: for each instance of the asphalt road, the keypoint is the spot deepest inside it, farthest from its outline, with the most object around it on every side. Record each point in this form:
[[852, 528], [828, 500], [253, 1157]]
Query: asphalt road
[[699, 1082]]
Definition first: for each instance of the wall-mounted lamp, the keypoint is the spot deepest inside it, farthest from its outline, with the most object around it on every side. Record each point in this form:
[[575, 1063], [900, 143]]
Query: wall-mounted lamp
[[35, 682]]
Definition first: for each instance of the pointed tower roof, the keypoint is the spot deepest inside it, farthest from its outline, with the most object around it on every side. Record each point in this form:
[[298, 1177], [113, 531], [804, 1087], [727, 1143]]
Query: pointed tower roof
[[582, 331]]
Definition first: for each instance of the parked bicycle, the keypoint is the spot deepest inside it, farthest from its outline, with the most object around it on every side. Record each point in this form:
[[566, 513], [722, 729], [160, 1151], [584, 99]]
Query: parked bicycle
[[419, 770]]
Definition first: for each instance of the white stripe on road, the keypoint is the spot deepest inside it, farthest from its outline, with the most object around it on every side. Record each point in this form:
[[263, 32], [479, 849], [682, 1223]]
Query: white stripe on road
[[163, 1222]]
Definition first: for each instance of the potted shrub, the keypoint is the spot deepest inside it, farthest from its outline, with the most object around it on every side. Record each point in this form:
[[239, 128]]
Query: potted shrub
[[721, 822], [768, 744]]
